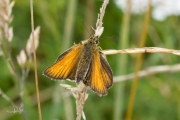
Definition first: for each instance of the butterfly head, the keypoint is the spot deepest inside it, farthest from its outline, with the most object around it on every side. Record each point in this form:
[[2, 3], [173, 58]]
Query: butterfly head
[[96, 35]]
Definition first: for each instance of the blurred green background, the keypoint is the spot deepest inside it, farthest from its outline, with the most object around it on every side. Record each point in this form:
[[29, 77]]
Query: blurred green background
[[157, 96]]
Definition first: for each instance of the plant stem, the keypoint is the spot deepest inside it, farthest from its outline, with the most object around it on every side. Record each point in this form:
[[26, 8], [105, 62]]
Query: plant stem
[[138, 65], [122, 63], [80, 99], [35, 64]]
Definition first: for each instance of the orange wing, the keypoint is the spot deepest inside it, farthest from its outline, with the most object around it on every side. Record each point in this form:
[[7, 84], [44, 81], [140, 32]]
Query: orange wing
[[99, 76], [66, 64]]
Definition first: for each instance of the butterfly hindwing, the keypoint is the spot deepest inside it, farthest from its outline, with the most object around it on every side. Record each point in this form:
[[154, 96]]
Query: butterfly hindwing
[[66, 64], [106, 71]]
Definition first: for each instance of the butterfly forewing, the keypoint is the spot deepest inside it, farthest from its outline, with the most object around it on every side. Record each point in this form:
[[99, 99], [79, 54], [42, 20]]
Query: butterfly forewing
[[66, 64], [95, 79], [99, 76]]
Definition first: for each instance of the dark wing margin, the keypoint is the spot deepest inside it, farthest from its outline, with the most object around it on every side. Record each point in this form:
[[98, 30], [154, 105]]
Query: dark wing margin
[[66, 65], [106, 71]]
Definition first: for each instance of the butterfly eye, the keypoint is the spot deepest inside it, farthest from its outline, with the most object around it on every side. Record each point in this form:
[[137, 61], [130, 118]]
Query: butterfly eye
[[97, 41]]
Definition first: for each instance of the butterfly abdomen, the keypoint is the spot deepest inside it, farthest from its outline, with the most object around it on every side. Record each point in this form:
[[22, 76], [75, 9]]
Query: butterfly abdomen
[[84, 62]]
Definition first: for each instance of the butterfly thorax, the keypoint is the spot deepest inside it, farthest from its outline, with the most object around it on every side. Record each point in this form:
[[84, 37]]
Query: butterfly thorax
[[90, 46]]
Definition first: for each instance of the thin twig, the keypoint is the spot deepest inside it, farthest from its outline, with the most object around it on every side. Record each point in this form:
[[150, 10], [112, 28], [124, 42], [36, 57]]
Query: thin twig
[[80, 95], [149, 71], [80, 99], [34, 56], [101, 14], [99, 23], [6, 97], [142, 50]]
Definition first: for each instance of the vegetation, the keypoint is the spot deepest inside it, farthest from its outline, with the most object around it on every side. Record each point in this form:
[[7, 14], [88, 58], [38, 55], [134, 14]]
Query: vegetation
[[157, 95]]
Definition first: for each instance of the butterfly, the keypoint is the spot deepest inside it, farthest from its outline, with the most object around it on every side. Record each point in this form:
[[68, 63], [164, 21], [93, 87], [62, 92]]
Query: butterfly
[[84, 62]]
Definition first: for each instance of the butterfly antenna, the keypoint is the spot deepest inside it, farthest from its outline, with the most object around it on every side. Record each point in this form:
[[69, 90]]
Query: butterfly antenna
[[86, 27], [109, 37]]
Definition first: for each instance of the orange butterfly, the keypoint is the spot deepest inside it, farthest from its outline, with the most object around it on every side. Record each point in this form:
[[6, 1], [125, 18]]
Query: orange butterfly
[[83, 62]]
